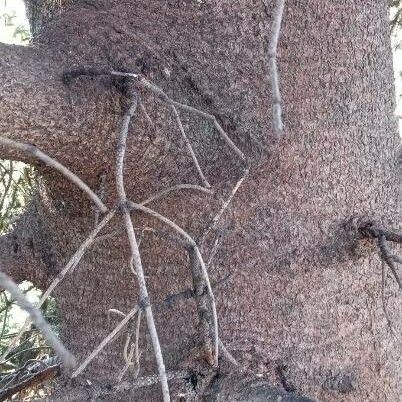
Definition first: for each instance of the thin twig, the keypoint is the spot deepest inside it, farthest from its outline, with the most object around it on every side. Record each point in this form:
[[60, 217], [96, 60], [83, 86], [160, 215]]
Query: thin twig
[[176, 188], [144, 83], [134, 352], [384, 304], [190, 148], [136, 258], [70, 266], [148, 118], [193, 245], [115, 311], [137, 342], [387, 257], [274, 76], [66, 357], [37, 153], [105, 341], [225, 205]]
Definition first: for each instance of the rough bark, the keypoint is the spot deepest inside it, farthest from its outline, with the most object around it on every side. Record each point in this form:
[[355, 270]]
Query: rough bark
[[298, 293]]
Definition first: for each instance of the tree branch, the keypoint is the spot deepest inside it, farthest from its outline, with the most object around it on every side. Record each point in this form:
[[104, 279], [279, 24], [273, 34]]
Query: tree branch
[[7, 284], [37, 153], [274, 76], [135, 253]]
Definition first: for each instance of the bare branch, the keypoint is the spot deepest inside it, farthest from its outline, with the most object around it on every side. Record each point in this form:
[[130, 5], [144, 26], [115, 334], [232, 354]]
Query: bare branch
[[70, 266], [144, 83], [147, 116], [7, 283], [274, 76], [371, 231], [105, 341], [190, 148], [386, 255], [225, 205], [193, 245], [135, 254], [37, 153], [176, 188], [134, 352]]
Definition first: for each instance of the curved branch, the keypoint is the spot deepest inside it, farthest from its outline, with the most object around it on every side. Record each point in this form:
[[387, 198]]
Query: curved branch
[[37, 153]]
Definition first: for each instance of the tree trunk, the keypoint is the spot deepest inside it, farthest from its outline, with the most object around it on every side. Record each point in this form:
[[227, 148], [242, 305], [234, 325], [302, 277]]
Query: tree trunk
[[298, 291]]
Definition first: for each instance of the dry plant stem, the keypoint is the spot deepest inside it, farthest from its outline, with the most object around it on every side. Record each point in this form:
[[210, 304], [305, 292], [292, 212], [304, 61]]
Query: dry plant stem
[[201, 299], [137, 342], [176, 188], [384, 304], [190, 148], [225, 205], [134, 351], [274, 76], [70, 266], [147, 116], [387, 257], [115, 311], [136, 258], [193, 245], [8, 284], [162, 95], [105, 341], [35, 152]]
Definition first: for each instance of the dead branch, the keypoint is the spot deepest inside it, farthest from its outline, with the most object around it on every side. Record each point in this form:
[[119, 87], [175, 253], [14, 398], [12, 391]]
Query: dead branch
[[368, 230], [190, 148], [38, 154], [135, 254], [387, 256], [8, 284], [105, 341], [144, 83], [133, 353], [274, 76], [194, 248], [70, 266], [34, 379], [176, 188], [225, 205], [148, 118]]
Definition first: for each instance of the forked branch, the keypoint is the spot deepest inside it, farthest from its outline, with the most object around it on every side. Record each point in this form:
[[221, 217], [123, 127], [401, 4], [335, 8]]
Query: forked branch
[[135, 253]]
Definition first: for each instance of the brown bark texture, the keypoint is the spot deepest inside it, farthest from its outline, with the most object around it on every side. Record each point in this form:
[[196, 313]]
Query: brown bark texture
[[298, 291]]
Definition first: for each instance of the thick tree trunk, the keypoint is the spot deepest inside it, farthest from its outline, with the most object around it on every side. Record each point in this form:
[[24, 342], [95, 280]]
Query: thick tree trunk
[[298, 292]]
